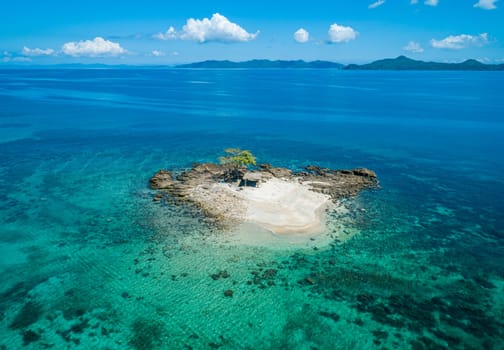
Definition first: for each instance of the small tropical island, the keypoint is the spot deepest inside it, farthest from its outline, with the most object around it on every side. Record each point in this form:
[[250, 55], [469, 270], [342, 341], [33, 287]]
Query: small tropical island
[[277, 199]]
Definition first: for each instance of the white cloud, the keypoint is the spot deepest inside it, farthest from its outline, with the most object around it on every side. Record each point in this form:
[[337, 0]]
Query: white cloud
[[431, 2], [457, 42], [218, 28], [341, 34], [8, 57], [376, 4], [170, 34], [301, 35], [159, 53], [93, 48], [426, 2], [37, 52], [21, 59], [414, 47], [486, 4], [16, 59]]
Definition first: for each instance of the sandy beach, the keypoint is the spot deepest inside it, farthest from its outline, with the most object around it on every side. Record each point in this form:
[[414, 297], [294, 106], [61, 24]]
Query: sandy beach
[[276, 200], [282, 206]]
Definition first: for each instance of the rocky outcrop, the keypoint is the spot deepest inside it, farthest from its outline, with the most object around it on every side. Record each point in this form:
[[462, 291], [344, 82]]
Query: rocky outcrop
[[161, 180], [365, 172], [338, 183]]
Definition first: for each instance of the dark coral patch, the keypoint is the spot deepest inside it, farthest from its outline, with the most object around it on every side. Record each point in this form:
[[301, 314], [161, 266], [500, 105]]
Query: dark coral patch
[[147, 334], [28, 315]]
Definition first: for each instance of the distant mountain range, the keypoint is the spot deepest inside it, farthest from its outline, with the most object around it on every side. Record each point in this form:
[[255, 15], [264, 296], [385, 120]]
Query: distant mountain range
[[405, 63], [263, 64], [399, 63]]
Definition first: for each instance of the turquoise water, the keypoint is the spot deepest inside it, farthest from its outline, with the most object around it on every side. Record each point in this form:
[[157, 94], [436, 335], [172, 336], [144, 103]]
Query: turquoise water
[[88, 261]]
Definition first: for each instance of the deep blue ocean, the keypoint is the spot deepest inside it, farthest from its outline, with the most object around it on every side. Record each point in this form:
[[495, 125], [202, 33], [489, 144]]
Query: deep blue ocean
[[89, 261]]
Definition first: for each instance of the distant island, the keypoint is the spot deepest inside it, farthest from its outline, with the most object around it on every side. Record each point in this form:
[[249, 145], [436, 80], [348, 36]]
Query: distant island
[[263, 64], [406, 63], [399, 63]]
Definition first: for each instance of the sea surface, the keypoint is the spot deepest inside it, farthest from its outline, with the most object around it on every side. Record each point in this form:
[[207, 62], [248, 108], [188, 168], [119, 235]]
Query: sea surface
[[89, 261]]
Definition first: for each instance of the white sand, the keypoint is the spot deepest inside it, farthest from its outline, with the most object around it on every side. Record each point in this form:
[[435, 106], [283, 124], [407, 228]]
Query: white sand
[[283, 207]]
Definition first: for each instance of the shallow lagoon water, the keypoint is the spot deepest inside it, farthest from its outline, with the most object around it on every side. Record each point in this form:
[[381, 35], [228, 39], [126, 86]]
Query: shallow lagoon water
[[89, 261]]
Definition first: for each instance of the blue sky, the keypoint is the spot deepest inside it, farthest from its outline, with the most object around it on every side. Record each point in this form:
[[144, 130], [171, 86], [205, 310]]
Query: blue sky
[[169, 32]]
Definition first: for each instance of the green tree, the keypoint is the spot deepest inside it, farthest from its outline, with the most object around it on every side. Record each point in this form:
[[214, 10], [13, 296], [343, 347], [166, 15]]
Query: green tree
[[236, 159]]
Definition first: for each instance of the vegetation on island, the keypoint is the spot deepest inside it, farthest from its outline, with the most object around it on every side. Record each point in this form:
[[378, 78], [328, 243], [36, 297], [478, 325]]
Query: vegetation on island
[[237, 159]]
